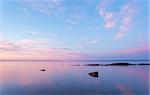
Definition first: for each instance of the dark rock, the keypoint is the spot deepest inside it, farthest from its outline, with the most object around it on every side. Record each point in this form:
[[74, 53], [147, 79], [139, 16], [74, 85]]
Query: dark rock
[[93, 74], [43, 70]]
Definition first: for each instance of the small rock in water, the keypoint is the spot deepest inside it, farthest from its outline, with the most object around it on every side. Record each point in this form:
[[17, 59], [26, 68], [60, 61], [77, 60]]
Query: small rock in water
[[42, 70], [93, 74]]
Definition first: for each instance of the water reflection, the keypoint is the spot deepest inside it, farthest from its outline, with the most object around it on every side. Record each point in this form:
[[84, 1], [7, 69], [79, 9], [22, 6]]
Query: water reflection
[[63, 79]]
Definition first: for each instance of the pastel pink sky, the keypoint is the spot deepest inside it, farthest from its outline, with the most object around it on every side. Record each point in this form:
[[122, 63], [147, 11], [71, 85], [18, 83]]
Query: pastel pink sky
[[73, 30]]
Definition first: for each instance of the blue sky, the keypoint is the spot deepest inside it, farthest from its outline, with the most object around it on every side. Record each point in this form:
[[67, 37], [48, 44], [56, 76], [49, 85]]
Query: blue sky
[[74, 29]]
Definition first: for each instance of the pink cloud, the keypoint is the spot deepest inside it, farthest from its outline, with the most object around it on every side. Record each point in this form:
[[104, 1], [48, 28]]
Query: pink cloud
[[136, 50], [128, 11], [121, 18], [122, 53], [10, 50], [34, 42], [119, 36], [109, 19], [103, 5], [108, 15], [22, 51], [8, 46], [110, 24]]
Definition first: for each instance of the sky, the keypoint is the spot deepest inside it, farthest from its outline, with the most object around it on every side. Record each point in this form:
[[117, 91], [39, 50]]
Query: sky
[[74, 29]]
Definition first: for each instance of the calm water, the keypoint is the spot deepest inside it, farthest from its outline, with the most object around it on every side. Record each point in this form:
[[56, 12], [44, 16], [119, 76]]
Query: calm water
[[25, 78]]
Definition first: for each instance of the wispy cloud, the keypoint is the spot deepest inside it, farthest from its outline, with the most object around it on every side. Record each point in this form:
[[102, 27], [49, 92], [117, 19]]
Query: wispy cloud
[[86, 43], [130, 51], [32, 32], [128, 11], [120, 19], [44, 7], [49, 7], [93, 28], [110, 24], [34, 42], [8, 46], [9, 50], [71, 21], [109, 19], [24, 51], [76, 16], [134, 50]]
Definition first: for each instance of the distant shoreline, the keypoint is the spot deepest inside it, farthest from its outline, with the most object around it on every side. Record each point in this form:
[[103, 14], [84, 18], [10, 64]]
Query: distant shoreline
[[117, 64]]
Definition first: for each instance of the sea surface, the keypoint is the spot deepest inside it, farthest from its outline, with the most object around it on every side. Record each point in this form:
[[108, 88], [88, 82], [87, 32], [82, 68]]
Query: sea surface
[[61, 78]]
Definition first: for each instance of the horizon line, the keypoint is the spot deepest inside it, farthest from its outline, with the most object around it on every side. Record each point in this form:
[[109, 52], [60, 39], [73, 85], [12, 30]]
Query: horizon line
[[82, 60]]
